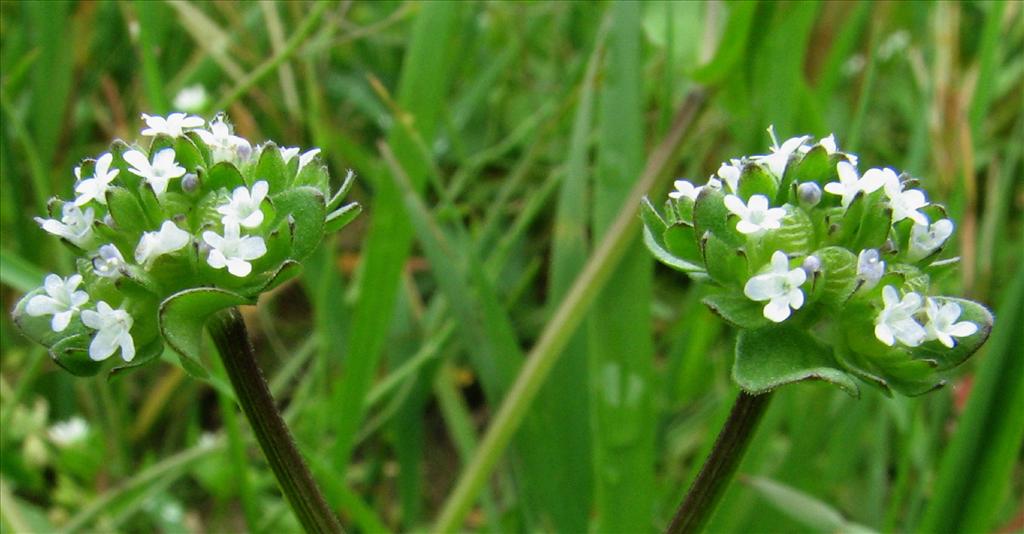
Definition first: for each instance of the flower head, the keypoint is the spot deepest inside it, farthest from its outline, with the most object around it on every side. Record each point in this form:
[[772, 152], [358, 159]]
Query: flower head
[[755, 216], [904, 204], [62, 300], [942, 323], [95, 188], [896, 320], [778, 160], [244, 207], [75, 225], [850, 184], [154, 244], [233, 250], [225, 145], [113, 332], [684, 189], [158, 173], [108, 261], [192, 98], [780, 286], [173, 125], [870, 268], [730, 174], [925, 238], [65, 433]]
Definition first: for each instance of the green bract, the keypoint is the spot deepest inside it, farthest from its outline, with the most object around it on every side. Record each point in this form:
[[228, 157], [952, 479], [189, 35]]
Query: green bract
[[827, 273], [166, 235]]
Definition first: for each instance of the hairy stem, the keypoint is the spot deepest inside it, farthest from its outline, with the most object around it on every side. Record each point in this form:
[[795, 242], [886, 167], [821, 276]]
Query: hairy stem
[[720, 466], [229, 334]]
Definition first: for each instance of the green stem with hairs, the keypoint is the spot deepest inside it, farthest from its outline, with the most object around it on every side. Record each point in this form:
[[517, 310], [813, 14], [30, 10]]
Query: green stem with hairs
[[229, 334]]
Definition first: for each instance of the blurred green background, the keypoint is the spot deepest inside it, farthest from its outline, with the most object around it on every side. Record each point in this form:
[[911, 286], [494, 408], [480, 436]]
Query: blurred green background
[[522, 127]]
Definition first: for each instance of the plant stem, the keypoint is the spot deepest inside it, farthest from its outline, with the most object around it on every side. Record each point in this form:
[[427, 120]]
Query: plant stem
[[718, 469], [229, 334]]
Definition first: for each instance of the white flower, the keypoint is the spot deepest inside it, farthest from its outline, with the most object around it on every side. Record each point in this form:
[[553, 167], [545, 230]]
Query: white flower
[[896, 321], [942, 323], [224, 145], [62, 300], [95, 188], [924, 239], [174, 125], [904, 204], [113, 328], [192, 98], [777, 161], [684, 189], [159, 173], [74, 225], [244, 207], [287, 153], [850, 184], [109, 261], [154, 244], [755, 216], [307, 157], [233, 251], [780, 286], [870, 267], [730, 174], [68, 432]]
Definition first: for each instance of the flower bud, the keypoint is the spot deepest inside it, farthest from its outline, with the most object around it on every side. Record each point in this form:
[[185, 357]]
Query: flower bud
[[189, 182], [809, 194], [811, 265], [870, 267]]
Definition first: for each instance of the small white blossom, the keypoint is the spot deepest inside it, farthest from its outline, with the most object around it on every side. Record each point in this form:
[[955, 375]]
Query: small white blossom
[[780, 286], [65, 433], [158, 173], [730, 174], [173, 125], [113, 332], [307, 157], [287, 153], [850, 184], [62, 300], [684, 189], [924, 238], [164, 241], [95, 188], [233, 251], [192, 98], [777, 161], [904, 204], [224, 145], [74, 225], [755, 216], [870, 267], [942, 323], [108, 262], [896, 320], [244, 207]]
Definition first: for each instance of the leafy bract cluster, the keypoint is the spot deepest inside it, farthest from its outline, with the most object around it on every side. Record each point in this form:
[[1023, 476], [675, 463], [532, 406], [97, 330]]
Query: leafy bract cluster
[[166, 234], [827, 272]]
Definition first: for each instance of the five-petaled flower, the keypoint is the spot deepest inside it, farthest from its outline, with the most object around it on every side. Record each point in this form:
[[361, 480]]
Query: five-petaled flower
[[75, 225], [849, 184], [164, 241], [62, 300], [925, 239], [108, 261], [904, 204], [233, 250], [896, 320], [95, 188], [224, 145], [755, 216], [780, 286], [684, 189], [174, 125], [158, 173], [244, 207], [942, 323], [113, 328]]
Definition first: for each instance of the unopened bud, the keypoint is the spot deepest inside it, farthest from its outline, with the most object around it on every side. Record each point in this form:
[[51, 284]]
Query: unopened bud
[[870, 267], [809, 194], [811, 265], [189, 182]]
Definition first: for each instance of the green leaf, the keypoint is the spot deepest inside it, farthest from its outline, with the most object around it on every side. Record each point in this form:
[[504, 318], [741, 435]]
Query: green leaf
[[803, 508], [815, 166], [315, 175], [125, 209], [272, 169], [336, 220], [37, 328], [771, 357], [682, 243], [754, 180], [654, 238], [737, 310], [304, 208], [183, 315], [839, 268], [19, 273], [949, 358], [144, 355], [711, 215], [72, 354], [726, 264], [187, 154], [222, 175]]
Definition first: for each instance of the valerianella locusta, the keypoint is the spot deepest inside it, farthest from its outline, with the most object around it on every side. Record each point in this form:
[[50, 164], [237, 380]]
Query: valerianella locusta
[[191, 220], [826, 270]]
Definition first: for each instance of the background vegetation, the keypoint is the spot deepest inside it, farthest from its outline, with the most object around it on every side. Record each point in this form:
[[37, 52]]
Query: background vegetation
[[521, 127]]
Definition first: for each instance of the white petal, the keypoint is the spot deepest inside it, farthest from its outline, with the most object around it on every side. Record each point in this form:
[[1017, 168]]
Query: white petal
[[757, 203], [735, 204], [963, 329], [761, 287], [795, 298], [884, 334], [138, 161], [253, 220], [889, 296], [780, 262], [777, 310], [745, 227], [251, 248], [239, 268], [40, 305], [61, 320], [216, 259], [127, 347]]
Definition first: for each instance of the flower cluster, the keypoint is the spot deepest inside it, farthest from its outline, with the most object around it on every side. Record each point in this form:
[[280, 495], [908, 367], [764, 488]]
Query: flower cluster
[[198, 210], [803, 245]]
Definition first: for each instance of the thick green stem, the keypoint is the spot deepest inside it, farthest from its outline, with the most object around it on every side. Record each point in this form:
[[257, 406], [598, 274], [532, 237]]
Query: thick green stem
[[228, 331], [720, 466]]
